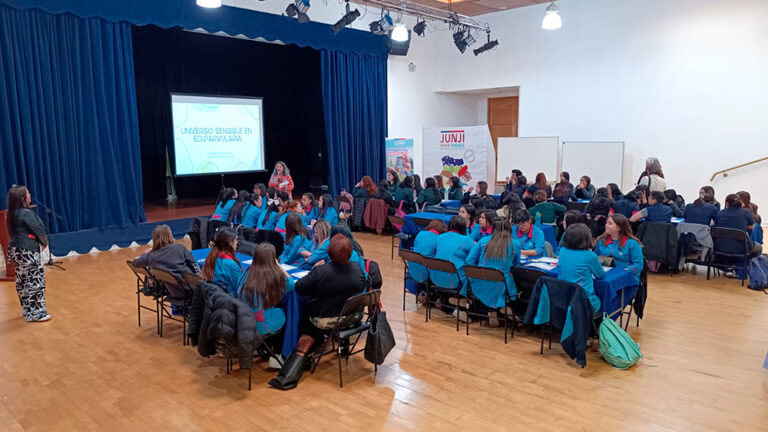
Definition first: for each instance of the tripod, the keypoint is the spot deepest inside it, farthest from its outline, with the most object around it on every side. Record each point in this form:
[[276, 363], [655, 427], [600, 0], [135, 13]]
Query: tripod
[[48, 213]]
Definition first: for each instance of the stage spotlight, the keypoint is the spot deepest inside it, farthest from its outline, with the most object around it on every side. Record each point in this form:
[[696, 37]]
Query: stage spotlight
[[420, 27], [462, 39], [346, 20], [299, 9], [491, 44], [383, 25], [552, 20], [209, 3], [400, 33]]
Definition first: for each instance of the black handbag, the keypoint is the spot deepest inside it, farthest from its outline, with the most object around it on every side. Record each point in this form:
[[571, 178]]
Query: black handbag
[[380, 339]]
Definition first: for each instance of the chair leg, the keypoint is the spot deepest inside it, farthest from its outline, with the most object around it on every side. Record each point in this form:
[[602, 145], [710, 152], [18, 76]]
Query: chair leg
[[338, 352], [458, 312], [392, 251], [138, 302], [250, 377], [506, 327], [160, 312], [543, 333], [709, 267]]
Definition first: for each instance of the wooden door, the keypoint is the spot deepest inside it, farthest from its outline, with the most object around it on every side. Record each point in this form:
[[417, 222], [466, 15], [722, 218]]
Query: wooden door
[[502, 118]]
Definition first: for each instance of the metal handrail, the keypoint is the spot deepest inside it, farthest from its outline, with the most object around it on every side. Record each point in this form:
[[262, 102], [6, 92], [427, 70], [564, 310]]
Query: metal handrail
[[725, 171]]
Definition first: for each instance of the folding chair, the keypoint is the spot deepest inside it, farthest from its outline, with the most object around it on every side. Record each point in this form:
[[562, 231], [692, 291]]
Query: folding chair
[[638, 302], [731, 250], [213, 226], [248, 234], [178, 296], [497, 277], [246, 248], [525, 280], [264, 350], [339, 332], [146, 285], [454, 283], [394, 220], [413, 267], [272, 237], [422, 222]]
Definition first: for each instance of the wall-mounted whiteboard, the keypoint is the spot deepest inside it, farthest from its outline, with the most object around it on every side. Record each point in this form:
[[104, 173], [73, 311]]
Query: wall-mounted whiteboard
[[529, 155], [603, 162]]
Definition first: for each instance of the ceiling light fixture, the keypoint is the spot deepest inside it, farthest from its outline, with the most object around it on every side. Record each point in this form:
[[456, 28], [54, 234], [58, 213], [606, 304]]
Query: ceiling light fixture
[[491, 44], [209, 3], [462, 38], [346, 20], [400, 32], [552, 20], [420, 27], [299, 9], [383, 26]]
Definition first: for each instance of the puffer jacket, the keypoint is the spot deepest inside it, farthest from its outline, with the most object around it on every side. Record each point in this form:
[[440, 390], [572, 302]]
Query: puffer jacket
[[216, 317]]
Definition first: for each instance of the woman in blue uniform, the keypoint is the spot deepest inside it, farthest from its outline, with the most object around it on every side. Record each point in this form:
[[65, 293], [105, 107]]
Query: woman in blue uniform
[[467, 212], [618, 243], [309, 206], [426, 245], [296, 238], [221, 265], [320, 233], [290, 207], [225, 204], [529, 236], [485, 225], [252, 211], [268, 220], [496, 251], [327, 210], [578, 263], [453, 246]]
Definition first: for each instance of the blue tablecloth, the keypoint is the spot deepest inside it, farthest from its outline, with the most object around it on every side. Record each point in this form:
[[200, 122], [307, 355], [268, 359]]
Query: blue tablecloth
[[410, 226], [609, 289], [291, 302], [457, 203]]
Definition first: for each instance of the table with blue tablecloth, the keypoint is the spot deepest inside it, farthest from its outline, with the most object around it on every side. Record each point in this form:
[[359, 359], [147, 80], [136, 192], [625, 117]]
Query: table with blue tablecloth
[[615, 291], [291, 302], [457, 203]]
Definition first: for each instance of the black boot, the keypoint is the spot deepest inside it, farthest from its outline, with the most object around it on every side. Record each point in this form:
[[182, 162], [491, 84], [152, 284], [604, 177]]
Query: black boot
[[293, 368]]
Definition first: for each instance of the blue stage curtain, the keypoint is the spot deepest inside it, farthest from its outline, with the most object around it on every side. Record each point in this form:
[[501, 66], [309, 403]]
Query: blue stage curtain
[[355, 109], [68, 123]]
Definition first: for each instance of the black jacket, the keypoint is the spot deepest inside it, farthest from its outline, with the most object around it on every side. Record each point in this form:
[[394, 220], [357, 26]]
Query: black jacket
[[329, 286], [216, 317], [174, 258], [600, 205], [29, 231], [659, 242]]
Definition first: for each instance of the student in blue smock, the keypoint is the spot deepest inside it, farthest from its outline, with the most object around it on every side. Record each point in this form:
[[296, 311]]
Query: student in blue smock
[[656, 210], [262, 287], [261, 190], [578, 263], [498, 252], [225, 204], [700, 212], [252, 211], [321, 231], [290, 207], [296, 239], [453, 246], [309, 206], [327, 210], [529, 236], [628, 205], [426, 245], [221, 265], [236, 213], [618, 243], [485, 225], [468, 213], [269, 216]]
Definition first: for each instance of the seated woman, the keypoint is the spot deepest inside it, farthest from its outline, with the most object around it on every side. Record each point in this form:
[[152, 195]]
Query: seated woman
[[550, 211], [309, 206], [453, 246], [166, 255], [327, 210], [426, 245], [578, 263], [498, 252], [707, 193], [618, 243], [404, 193], [671, 201], [539, 185], [328, 287], [320, 255], [485, 224], [269, 216], [430, 194], [454, 191], [735, 217], [236, 213], [563, 189], [628, 205], [614, 192], [756, 234], [530, 237], [510, 204], [700, 212], [296, 239], [585, 189], [252, 211], [570, 217], [467, 212], [488, 201], [393, 179], [321, 232], [221, 265], [417, 185], [600, 205], [440, 185], [224, 206], [383, 192], [365, 188], [656, 210], [290, 207], [520, 187]]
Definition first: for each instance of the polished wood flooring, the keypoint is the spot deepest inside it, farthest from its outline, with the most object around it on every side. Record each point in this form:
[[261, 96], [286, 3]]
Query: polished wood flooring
[[92, 369]]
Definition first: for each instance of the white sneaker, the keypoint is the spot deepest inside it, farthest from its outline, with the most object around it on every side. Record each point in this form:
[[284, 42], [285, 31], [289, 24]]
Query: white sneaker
[[274, 363], [45, 318]]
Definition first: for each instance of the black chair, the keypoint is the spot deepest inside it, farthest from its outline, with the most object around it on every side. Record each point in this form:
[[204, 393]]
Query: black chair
[[147, 286], [409, 257], [525, 280], [731, 250], [272, 237], [246, 248], [248, 234], [496, 276], [339, 332], [638, 302], [213, 226], [395, 220], [577, 206], [178, 296], [434, 209], [445, 266], [422, 222]]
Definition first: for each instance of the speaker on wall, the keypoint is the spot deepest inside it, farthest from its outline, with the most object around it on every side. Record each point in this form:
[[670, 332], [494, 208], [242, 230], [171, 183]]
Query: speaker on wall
[[399, 48]]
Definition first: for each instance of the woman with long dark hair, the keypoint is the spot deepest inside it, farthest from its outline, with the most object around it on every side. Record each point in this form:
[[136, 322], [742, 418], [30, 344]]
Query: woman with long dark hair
[[28, 240], [296, 238], [328, 211], [309, 206], [268, 220], [289, 207], [252, 211], [454, 191], [619, 243], [578, 263], [236, 214], [281, 178], [430, 194], [224, 205], [221, 265]]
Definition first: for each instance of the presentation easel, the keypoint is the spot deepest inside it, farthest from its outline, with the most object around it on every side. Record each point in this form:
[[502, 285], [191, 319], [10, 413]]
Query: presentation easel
[[10, 272]]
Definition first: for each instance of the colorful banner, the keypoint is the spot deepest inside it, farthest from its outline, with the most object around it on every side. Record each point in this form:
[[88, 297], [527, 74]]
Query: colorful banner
[[400, 155], [457, 151]]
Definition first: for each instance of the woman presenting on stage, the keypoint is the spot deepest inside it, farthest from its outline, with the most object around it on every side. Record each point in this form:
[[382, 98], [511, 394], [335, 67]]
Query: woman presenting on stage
[[27, 236], [281, 179]]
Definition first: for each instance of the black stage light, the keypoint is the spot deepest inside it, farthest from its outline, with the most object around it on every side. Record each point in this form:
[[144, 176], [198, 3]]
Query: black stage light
[[346, 20], [420, 27], [299, 9]]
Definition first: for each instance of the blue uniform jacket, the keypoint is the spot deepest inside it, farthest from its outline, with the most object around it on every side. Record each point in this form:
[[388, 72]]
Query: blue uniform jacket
[[291, 254], [578, 266], [271, 222], [492, 293], [310, 214], [533, 240], [626, 253], [227, 273], [426, 245], [222, 211], [331, 215], [251, 215], [280, 226], [453, 247], [268, 321]]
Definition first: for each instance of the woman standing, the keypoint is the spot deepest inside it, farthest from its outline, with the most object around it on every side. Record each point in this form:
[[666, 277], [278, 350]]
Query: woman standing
[[653, 177], [281, 178], [27, 234]]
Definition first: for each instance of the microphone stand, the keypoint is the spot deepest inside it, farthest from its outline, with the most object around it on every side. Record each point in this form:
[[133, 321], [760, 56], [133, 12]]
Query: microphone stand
[[48, 213]]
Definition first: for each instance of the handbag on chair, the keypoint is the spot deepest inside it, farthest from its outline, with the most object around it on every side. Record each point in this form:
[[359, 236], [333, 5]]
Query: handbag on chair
[[380, 339]]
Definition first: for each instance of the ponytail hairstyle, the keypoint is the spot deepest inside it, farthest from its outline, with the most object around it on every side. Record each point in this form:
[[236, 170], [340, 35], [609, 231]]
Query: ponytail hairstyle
[[242, 200], [222, 244], [294, 227], [501, 241], [265, 279], [432, 184], [311, 198], [17, 200], [226, 195], [746, 200], [326, 202]]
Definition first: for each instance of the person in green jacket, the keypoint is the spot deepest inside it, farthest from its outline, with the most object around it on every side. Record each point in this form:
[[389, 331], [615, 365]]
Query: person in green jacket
[[455, 192], [549, 210], [430, 194], [404, 192]]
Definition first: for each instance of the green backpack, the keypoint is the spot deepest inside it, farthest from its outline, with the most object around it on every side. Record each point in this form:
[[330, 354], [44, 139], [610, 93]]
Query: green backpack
[[617, 348]]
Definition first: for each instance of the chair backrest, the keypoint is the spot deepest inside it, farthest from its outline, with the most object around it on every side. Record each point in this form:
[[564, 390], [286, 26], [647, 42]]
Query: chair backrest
[[272, 237], [549, 251], [174, 286], [436, 264], [730, 241], [558, 304], [343, 203], [484, 273], [410, 256], [434, 209], [245, 247], [353, 304], [577, 206], [140, 272], [422, 222], [191, 279], [396, 221], [525, 279], [213, 226], [451, 210], [248, 234]]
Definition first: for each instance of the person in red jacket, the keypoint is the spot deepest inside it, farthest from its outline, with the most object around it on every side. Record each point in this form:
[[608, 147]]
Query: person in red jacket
[[281, 178]]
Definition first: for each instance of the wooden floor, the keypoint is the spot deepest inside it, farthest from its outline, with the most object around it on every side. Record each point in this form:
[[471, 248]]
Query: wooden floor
[[92, 368], [191, 207]]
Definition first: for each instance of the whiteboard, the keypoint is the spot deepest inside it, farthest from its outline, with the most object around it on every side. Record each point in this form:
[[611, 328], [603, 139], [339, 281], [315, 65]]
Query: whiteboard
[[603, 162], [529, 155]]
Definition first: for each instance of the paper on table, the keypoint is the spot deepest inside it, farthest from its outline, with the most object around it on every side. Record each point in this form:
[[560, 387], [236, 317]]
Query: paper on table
[[547, 260], [543, 266], [607, 269], [287, 267], [300, 274], [248, 261]]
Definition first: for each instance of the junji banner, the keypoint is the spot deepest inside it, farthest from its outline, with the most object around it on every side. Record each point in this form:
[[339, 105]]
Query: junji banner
[[400, 155], [457, 151]]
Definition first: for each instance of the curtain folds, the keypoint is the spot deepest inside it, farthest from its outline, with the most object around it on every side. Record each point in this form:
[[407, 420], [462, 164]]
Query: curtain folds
[[355, 109], [68, 123]]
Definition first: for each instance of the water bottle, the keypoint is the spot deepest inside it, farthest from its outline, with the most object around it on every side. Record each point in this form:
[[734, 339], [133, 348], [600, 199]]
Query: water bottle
[[445, 194], [538, 219]]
